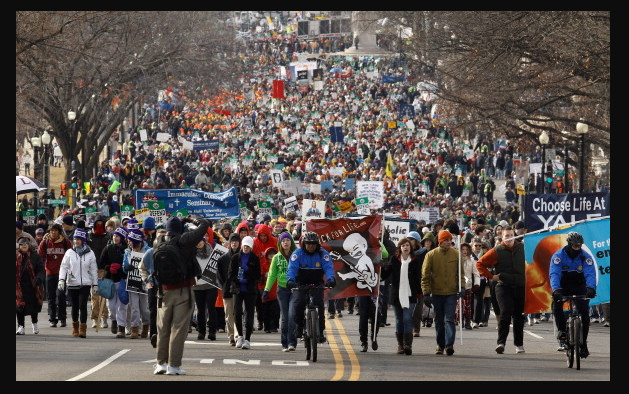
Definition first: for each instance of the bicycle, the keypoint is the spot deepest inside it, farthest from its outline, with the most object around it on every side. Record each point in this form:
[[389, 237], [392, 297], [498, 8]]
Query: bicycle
[[310, 330], [574, 328]]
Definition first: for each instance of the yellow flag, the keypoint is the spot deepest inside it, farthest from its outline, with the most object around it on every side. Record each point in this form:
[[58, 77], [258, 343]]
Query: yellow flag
[[389, 167]]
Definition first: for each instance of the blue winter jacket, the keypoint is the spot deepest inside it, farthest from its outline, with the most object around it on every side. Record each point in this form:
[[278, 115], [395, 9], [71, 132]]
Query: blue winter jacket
[[582, 266]]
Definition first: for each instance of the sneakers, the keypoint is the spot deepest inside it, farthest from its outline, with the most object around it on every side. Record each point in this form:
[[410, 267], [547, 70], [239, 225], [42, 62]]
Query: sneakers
[[363, 347], [232, 342], [468, 326], [94, 324], [449, 350], [543, 318], [154, 341], [160, 369], [530, 320], [240, 342], [606, 324], [53, 324], [246, 344], [535, 321], [291, 348], [35, 328], [331, 316], [63, 323], [175, 371], [439, 350], [104, 324], [562, 346], [285, 349], [594, 320], [474, 325], [519, 349], [339, 315], [482, 324], [20, 330], [500, 348]]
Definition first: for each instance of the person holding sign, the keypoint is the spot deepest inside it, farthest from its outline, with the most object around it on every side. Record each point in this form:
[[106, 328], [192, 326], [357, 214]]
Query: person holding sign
[[205, 297], [138, 298]]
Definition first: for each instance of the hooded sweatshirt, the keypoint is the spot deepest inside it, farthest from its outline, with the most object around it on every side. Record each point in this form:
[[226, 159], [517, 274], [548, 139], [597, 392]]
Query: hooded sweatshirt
[[279, 265]]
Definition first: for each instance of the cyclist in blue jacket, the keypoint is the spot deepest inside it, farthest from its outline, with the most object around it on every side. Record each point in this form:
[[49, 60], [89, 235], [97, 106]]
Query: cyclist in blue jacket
[[572, 272], [307, 265]]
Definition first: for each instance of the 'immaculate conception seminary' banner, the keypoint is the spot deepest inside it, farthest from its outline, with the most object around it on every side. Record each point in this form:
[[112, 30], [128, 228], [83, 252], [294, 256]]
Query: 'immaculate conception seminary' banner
[[213, 206]]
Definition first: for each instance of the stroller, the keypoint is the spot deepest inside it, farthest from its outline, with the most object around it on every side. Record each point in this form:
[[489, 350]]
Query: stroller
[[428, 316]]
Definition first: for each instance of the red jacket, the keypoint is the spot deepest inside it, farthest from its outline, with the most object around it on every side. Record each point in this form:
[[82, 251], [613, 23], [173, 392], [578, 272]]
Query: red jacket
[[51, 252]]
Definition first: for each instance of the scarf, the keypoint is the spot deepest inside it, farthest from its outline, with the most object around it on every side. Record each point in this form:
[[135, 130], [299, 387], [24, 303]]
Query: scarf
[[23, 259], [405, 288]]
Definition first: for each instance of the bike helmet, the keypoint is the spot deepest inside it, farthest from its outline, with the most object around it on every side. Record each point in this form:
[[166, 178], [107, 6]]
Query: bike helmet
[[575, 238], [310, 237]]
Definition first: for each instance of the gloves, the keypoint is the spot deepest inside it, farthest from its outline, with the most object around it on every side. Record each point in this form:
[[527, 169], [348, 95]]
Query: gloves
[[557, 295], [61, 285], [114, 267], [427, 300], [290, 284], [330, 283], [196, 222], [475, 288], [187, 219], [265, 295], [461, 294], [590, 292]]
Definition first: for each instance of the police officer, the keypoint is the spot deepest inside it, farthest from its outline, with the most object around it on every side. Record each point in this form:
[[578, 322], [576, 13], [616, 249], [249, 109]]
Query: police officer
[[572, 272], [307, 265]]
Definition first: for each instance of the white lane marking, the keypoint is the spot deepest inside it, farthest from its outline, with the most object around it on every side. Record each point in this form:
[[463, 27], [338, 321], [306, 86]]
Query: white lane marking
[[99, 366]]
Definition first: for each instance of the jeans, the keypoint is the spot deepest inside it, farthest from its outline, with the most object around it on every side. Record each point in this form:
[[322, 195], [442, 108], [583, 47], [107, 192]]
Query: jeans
[[56, 299], [403, 318], [205, 300], [444, 318], [249, 300], [287, 322]]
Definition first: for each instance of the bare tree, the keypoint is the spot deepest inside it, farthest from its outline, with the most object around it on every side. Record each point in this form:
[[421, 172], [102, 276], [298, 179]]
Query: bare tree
[[515, 72], [100, 64]]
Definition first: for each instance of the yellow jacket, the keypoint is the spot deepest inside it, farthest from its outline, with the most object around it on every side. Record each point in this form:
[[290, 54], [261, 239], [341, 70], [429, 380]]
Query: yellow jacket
[[439, 272]]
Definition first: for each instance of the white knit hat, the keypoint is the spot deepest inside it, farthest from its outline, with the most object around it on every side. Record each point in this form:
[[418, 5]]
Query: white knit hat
[[247, 241]]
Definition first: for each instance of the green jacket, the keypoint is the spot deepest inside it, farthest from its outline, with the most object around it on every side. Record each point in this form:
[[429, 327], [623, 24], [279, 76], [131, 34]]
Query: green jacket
[[279, 266], [440, 272]]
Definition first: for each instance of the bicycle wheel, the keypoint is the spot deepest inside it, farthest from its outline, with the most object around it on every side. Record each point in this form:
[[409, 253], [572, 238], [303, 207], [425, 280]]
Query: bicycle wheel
[[570, 343], [313, 327], [578, 338]]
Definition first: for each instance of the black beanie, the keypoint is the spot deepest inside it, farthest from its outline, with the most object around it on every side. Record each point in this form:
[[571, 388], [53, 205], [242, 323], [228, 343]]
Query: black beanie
[[174, 225]]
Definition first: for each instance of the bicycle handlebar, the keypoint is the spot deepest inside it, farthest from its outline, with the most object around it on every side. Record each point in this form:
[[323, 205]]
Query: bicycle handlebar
[[574, 297], [309, 286]]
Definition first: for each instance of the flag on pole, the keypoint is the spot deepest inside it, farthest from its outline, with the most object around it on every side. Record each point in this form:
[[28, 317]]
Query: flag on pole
[[278, 89], [389, 167]]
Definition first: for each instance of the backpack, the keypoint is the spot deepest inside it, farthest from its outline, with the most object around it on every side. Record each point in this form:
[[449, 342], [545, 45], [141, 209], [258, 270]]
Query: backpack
[[169, 267]]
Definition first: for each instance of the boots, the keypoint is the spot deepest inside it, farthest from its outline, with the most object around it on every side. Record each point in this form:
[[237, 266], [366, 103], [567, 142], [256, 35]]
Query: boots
[[83, 330], [120, 333], [134, 333], [400, 343], [114, 327], [408, 343], [145, 331], [75, 328]]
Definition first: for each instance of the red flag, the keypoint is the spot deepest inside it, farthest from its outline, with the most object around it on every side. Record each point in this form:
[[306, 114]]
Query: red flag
[[278, 89], [354, 247]]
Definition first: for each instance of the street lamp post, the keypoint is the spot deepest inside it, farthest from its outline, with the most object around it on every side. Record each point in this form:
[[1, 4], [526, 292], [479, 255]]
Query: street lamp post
[[45, 140], [565, 159], [582, 129], [543, 140]]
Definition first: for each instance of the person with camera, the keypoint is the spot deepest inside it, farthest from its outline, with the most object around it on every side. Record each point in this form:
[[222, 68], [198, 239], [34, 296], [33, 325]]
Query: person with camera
[[572, 272], [308, 265], [176, 300]]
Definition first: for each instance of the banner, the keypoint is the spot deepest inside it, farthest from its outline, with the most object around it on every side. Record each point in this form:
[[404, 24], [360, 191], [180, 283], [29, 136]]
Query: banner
[[336, 134], [374, 190], [278, 89], [539, 248], [201, 145], [543, 211], [389, 168], [354, 246], [214, 206]]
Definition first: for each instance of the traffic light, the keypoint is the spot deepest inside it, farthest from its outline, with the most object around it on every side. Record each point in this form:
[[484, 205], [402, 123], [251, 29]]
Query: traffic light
[[64, 189], [75, 179]]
